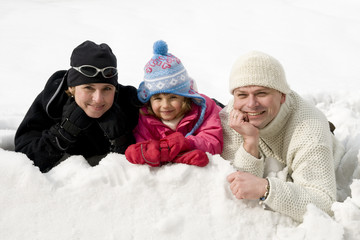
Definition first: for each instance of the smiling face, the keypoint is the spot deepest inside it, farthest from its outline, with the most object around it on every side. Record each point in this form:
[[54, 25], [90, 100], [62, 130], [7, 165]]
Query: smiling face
[[167, 106], [261, 104], [95, 99]]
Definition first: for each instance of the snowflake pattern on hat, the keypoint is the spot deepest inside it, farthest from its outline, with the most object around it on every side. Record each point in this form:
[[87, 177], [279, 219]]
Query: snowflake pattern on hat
[[162, 61]]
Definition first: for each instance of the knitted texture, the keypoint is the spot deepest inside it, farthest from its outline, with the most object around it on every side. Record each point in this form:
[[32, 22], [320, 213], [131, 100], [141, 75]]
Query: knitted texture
[[299, 139], [165, 73], [90, 53], [260, 69]]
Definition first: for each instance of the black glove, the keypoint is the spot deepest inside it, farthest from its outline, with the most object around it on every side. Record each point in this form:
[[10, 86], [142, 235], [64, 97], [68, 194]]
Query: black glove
[[74, 121], [113, 123]]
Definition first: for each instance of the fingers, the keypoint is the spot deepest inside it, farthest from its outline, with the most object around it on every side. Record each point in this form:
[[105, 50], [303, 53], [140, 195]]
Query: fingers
[[246, 117], [236, 185], [231, 177], [244, 185], [235, 175], [237, 119], [238, 115], [234, 114], [236, 190]]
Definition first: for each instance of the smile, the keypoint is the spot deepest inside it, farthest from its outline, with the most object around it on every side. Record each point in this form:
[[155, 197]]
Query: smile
[[97, 108], [166, 112], [255, 114]]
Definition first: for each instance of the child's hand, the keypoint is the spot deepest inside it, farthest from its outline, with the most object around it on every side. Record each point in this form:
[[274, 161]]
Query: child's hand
[[155, 153], [193, 157], [172, 145], [147, 152]]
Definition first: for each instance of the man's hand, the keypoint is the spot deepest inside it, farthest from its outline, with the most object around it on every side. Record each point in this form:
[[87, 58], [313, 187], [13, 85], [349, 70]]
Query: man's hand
[[246, 185], [240, 123]]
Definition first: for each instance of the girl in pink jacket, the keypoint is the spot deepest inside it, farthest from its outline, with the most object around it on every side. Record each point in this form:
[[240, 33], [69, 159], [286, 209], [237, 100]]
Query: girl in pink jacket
[[176, 124]]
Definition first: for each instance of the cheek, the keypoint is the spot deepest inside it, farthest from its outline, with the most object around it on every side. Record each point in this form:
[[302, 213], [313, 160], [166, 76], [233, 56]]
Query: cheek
[[80, 98], [110, 98], [238, 103], [155, 106], [178, 105], [273, 108]]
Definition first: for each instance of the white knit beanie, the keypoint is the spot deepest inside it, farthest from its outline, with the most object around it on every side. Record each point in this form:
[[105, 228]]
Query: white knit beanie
[[258, 69]]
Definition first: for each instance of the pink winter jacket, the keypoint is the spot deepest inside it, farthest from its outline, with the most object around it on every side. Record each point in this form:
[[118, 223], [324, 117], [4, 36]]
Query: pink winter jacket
[[208, 137]]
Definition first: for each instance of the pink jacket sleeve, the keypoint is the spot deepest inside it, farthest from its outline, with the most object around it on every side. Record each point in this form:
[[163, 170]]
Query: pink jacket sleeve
[[142, 131], [209, 136]]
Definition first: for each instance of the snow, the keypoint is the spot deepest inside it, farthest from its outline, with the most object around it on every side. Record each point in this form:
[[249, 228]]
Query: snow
[[316, 41]]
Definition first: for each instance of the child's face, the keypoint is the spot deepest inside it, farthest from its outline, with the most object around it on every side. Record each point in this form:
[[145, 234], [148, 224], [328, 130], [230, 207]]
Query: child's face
[[167, 106]]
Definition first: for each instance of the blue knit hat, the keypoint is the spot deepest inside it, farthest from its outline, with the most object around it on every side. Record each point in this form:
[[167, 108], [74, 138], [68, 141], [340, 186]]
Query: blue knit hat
[[164, 73]]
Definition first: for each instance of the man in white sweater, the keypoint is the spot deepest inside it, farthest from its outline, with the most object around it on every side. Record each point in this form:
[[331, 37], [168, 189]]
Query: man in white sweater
[[280, 144]]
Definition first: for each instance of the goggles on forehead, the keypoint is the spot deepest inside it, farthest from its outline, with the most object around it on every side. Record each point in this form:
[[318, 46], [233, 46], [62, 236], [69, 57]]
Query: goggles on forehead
[[91, 71]]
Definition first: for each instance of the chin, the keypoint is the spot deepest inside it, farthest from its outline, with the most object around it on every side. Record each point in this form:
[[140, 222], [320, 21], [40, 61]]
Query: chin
[[167, 118], [256, 124], [94, 115]]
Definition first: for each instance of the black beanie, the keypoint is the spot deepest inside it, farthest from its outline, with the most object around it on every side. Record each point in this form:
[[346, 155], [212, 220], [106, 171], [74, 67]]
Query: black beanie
[[89, 53]]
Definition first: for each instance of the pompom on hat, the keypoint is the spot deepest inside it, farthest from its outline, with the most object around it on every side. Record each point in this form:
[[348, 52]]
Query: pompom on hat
[[90, 53], [258, 69], [165, 73]]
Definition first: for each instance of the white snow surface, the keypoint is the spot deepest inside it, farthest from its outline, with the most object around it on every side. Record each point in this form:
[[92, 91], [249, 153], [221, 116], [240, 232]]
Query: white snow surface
[[318, 43]]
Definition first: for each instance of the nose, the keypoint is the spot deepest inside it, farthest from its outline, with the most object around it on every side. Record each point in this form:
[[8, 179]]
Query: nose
[[97, 96], [165, 103], [252, 101]]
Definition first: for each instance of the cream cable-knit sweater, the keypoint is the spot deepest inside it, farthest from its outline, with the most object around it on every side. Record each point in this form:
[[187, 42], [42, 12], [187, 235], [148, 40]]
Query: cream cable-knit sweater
[[300, 142]]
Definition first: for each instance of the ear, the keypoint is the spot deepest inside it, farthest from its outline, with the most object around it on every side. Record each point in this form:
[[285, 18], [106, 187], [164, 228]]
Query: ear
[[283, 98], [71, 90]]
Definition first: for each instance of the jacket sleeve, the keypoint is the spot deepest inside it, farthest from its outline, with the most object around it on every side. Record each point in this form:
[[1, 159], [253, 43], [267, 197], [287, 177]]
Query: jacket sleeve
[[142, 130], [34, 138], [209, 136]]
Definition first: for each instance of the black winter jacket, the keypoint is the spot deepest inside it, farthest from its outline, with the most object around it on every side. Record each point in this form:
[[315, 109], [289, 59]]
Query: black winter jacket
[[40, 144]]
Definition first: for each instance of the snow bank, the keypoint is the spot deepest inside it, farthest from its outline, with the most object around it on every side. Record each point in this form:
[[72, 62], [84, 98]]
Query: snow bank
[[119, 200]]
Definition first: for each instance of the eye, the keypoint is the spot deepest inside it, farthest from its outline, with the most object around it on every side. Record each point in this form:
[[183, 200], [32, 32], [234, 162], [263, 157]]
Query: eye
[[241, 95], [261, 94], [88, 87]]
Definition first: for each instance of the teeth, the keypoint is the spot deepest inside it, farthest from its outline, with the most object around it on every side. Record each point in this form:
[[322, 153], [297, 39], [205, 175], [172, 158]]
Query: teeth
[[254, 114]]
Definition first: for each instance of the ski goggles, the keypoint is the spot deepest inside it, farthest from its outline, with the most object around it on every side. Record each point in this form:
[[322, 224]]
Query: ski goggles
[[91, 71]]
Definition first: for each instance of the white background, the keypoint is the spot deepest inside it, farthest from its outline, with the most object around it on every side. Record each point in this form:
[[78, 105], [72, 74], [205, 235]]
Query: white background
[[317, 41]]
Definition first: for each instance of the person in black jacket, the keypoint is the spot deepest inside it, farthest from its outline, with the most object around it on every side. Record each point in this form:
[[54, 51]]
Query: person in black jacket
[[81, 111]]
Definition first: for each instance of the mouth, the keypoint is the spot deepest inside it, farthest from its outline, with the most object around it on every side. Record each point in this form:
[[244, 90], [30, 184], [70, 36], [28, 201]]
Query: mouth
[[166, 112], [253, 114], [97, 108]]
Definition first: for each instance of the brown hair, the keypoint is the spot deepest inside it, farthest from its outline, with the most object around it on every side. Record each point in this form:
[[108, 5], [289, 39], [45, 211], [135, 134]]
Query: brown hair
[[70, 91], [186, 107]]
